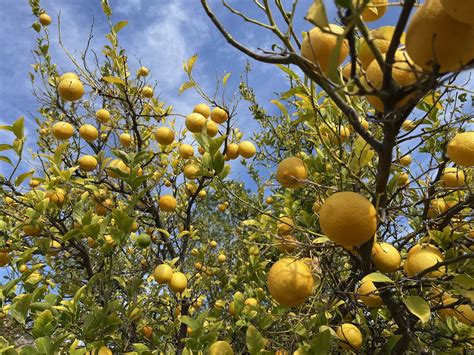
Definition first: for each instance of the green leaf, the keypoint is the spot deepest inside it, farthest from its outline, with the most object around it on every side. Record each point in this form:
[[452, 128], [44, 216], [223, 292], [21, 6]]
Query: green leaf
[[106, 8], [288, 71], [5, 147], [225, 78], [21, 306], [321, 343], [188, 67], [390, 344], [20, 178], [44, 324], [185, 86], [6, 128], [119, 25], [18, 127], [254, 340], [378, 277], [194, 325], [215, 144], [6, 160], [418, 307], [464, 284], [218, 162], [113, 80], [280, 106], [317, 14]]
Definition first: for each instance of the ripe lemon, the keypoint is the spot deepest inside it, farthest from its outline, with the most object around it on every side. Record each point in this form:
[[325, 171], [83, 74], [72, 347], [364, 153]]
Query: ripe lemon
[[290, 282], [220, 347], [163, 274], [424, 247], [247, 149], [386, 257], [164, 136], [381, 38], [437, 207], [287, 244], [221, 258], [402, 179], [251, 302], [142, 71], [435, 38], [34, 183], [62, 130], [202, 109], [461, 149], [68, 75], [213, 244], [403, 73], [125, 139], [186, 151], [191, 171], [368, 294], [348, 219], [87, 162], [178, 282], [102, 115], [285, 225], [88, 132], [44, 19], [218, 115], [423, 259], [195, 122], [452, 177], [119, 164], [350, 336], [460, 10], [405, 160], [56, 196], [290, 171], [318, 46], [212, 128], [4, 259], [70, 89], [147, 92], [232, 151], [167, 203], [374, 10]]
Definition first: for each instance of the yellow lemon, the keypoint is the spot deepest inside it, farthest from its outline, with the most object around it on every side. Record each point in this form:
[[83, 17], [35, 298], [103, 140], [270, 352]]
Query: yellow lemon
[[290, 171]]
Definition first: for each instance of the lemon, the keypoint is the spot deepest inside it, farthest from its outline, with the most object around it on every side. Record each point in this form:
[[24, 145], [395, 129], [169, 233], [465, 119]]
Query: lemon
[[178, 282], [62, 130], [452, 177], [102, 115], [319, 44], [350, 336], [348, 219], [44, 19], [386, 257], [461, 149], [285, 225], [290, 171], [186, 151], [368, 294], [164, 136], [167, 203], [247, 149], [88, 132], [290, 282], [219, 115], [232, 151], [163, 273], [70, 89], [87, 162], [195, 122], [434, 38]]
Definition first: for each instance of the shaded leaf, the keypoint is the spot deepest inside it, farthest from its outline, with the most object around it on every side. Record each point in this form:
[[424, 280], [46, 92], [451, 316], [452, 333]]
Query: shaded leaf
[[418, 307]]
